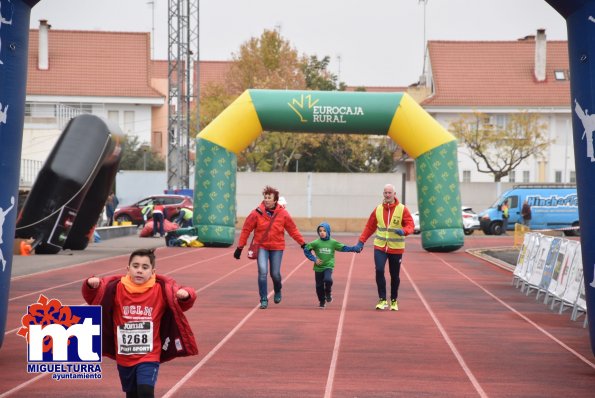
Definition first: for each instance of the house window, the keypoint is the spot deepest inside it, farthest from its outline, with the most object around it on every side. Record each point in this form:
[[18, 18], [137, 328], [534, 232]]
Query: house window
[[512, 176], [129, 122], [466, 175], [114, 116], [573, 177], [499, 121], [558, 176], [526, 176]]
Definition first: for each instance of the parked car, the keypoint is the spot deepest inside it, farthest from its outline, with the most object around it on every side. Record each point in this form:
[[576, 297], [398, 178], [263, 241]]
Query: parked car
[[170, 203], [470, 221], [416, 228]]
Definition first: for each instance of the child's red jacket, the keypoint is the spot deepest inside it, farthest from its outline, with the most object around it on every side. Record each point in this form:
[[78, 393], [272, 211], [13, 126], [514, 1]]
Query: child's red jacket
[[175, 329]]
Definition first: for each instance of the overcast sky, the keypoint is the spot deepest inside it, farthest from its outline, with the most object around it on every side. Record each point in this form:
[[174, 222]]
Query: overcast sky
[[371, 42]]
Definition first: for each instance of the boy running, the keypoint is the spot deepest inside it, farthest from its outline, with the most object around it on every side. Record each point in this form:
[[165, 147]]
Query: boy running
[[324, 262], [143, 321]]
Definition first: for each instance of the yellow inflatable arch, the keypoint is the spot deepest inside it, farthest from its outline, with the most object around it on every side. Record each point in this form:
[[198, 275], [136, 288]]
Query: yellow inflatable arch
[[394, 114]]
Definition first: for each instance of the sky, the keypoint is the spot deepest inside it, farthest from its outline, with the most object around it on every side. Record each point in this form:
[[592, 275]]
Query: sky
[[370, 43]]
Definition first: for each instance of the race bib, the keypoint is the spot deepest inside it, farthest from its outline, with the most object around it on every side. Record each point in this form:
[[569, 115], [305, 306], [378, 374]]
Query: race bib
[[135, 338]]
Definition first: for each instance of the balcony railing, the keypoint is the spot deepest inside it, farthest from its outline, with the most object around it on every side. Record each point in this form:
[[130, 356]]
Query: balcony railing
[[29, 171]]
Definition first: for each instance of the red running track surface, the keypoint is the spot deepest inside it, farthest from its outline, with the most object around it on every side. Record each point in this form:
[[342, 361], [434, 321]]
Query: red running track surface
[[462, 331]]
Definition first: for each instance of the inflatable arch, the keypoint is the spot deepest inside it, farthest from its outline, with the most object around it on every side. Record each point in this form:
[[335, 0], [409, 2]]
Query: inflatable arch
[[394, 114]]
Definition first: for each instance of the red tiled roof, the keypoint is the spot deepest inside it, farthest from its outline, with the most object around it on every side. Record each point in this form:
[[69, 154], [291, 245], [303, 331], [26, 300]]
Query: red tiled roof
[[88, 63], [497, 73], [211, 72], [378, 89]]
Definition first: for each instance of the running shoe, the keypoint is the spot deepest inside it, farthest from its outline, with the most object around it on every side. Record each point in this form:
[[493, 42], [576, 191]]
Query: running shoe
[[322, 305], [381, 304], [394, 306], [264, 303], [277, 298], [329, 298]]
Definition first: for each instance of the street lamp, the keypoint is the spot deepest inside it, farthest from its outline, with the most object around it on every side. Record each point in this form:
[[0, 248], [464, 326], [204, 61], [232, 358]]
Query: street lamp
[[297, 157], [145, 149]]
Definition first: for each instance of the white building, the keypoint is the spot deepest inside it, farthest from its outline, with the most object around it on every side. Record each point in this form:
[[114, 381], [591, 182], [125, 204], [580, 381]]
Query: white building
[[499, 78]]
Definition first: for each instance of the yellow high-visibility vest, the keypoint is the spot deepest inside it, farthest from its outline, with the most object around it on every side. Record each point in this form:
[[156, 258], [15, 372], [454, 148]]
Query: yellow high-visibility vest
[[386, 236]]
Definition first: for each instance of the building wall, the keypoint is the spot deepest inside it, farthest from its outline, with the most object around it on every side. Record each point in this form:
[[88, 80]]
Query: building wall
[[559, 157], [312, 195]]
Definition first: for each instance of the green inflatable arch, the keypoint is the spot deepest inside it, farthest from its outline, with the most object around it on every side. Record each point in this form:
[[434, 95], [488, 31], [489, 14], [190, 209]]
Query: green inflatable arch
[[394, 114]]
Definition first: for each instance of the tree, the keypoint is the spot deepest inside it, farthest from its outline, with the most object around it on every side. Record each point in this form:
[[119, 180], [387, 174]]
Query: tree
[[266, 62], [137, 156], [342, 152], [270, 62], [499, 150], [318, 77]]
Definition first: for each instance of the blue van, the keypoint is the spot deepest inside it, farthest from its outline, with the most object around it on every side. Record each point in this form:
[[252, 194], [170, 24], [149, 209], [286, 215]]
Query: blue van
[[553, 206]]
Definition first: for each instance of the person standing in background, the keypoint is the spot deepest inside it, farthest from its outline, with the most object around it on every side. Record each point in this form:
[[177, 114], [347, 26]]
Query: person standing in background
[[110, 208], [158, 219], [526, 213], [505, 214]]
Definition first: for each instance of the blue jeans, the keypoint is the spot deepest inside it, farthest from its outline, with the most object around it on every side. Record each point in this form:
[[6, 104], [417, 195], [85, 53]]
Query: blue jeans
[[264, 257], [394, 267], [324, 284]]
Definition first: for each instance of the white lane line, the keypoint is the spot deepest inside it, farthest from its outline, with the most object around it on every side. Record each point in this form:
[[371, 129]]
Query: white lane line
[[111, 272], [215, 349], [333, 366], [450, 343], [520, 315], [23, 385], [82, 264], [33, 380]]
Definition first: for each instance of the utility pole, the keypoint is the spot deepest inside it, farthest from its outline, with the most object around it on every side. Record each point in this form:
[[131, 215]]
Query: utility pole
[[183, 87]]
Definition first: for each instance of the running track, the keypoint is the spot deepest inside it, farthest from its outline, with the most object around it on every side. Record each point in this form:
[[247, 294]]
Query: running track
[[462, 331]]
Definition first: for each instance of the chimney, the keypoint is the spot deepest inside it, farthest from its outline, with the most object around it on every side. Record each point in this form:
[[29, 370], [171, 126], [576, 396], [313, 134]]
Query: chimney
[[540, 55], [43, 62]]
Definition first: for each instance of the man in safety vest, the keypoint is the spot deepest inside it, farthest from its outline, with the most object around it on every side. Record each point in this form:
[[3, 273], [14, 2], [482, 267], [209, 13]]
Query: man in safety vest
[[147, 212], [391, 221], [184, 218]]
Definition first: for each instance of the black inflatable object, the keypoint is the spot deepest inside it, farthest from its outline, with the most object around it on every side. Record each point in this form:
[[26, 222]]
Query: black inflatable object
[[72, 186]]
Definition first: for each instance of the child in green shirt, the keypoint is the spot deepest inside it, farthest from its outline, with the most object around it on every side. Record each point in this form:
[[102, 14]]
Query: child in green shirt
[[324, 261]]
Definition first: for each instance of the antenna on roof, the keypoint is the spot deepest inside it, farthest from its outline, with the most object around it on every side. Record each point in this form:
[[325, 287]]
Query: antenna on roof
[[152, 3], [424, 43]]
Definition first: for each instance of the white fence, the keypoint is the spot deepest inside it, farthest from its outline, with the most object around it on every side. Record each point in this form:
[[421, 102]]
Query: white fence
[[553, 266]]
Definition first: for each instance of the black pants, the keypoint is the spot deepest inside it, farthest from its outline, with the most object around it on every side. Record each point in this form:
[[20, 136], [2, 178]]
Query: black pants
[[324, 284], [394, 267]]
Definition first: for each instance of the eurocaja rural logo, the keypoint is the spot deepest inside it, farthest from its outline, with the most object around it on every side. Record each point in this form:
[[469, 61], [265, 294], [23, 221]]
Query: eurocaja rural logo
[[62, 340], [309, 110]]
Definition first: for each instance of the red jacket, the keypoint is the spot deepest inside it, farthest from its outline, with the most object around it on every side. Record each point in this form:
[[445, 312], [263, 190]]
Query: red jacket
[[258, 221], [407, 224], [174, 325]]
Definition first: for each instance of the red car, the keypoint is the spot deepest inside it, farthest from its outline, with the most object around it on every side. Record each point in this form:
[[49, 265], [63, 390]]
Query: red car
[[169, 202]]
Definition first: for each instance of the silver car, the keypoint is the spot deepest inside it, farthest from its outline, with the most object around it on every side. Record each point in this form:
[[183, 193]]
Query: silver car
[[470, 221]]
